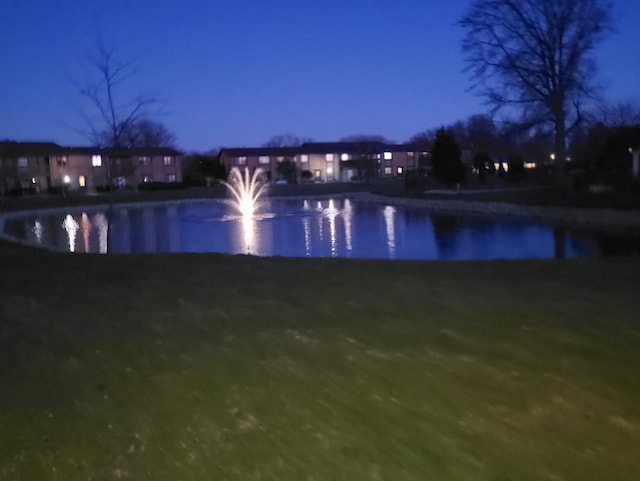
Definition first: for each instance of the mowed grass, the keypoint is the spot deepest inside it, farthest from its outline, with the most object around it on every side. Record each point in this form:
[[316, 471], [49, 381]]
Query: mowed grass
[[207, 367]]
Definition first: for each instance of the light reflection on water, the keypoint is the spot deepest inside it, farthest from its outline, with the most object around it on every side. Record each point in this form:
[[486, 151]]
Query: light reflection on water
[[322, 228]]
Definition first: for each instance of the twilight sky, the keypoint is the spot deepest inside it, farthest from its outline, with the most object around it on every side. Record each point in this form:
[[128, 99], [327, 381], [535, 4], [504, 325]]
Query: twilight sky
[[237, 72]]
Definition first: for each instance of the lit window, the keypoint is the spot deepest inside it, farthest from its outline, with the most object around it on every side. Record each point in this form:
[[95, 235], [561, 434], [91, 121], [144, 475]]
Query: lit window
[[317, 174], [329, 157], [263, 160], [144, 160], [241, 160], [168, 160], [96, 160], [66, 179], [344, 157], [61, 159], [410, 154], [388, 156], [171, 178], [387, 171], [400, 170], [304, 158], [82, 181], [329, 170]]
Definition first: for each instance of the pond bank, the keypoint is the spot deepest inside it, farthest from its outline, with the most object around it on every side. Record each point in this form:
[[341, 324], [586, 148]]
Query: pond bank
[[605, 218]]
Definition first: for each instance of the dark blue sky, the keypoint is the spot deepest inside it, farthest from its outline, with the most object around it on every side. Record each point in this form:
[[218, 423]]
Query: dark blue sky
[[237, 72]]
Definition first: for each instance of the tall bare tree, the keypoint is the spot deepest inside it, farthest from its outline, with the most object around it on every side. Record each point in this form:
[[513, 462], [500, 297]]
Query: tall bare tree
[[112, 114], [536, 54]]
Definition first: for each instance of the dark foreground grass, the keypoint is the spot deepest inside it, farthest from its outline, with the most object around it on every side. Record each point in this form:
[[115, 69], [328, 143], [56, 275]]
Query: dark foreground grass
[[191, 367]]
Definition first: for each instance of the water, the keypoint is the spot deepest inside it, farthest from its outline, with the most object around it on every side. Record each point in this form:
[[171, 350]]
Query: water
[[311, 228]]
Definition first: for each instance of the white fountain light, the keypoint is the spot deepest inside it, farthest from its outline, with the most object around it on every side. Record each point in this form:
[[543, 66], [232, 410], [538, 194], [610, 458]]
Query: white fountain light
[[246, 189]]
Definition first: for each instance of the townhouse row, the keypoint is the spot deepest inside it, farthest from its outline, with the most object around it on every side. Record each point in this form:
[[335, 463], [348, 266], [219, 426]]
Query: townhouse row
[[41, 166], [327, 161]]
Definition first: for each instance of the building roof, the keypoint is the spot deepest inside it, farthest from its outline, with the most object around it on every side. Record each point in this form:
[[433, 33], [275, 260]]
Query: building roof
[[140, 151], [365, 147], [9, 148], [257, 151]]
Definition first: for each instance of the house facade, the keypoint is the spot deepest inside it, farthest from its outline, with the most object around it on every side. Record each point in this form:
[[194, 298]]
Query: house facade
[[327, 161], [35, 167]]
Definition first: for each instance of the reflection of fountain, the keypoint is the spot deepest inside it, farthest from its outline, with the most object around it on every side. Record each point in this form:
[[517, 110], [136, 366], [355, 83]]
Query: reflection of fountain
[[71, 226], [246, 191]]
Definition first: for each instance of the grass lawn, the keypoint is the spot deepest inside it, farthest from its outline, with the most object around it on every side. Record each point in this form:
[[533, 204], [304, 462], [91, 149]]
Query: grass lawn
[[212, 367]]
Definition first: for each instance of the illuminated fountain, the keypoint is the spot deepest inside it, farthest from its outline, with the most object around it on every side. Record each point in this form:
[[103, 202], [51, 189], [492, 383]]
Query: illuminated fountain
[[246, 190]]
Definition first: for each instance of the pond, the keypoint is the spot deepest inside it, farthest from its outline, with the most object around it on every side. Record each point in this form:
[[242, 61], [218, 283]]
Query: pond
[[339, 227]]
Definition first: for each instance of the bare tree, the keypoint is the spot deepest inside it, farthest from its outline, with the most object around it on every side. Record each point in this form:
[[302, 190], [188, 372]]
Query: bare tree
[[284, 140], [536, 54], [148, 133], [617, 114], [112, 115]]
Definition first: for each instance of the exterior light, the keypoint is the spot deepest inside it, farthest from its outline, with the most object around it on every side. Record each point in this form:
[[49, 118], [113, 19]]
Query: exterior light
[[66, 179]]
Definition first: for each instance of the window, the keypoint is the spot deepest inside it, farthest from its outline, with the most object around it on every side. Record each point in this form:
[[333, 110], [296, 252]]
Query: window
[[171, 178], [317, 174], [263, 160], [388, 156], [328, 157], [344, 157], [145, 160], [168, 160], [400, 170], [241, 160], [96, 160], [410, 154], [82, 181], [304, 158], [23, 162], [329, 170], [147, 178], [61, 159], [387, 171]]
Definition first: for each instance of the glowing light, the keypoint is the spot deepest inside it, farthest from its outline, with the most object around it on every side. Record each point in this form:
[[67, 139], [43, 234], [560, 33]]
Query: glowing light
[[71, 226], [347, 215], [331, 213], [37, 230], [306, 224], [66, 179], [246, 191], [100, 221], [389, 214], [85, 226]]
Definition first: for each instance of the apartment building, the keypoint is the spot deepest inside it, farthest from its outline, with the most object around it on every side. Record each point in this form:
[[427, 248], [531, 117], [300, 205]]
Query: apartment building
[[32, 167], [327, 161]]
